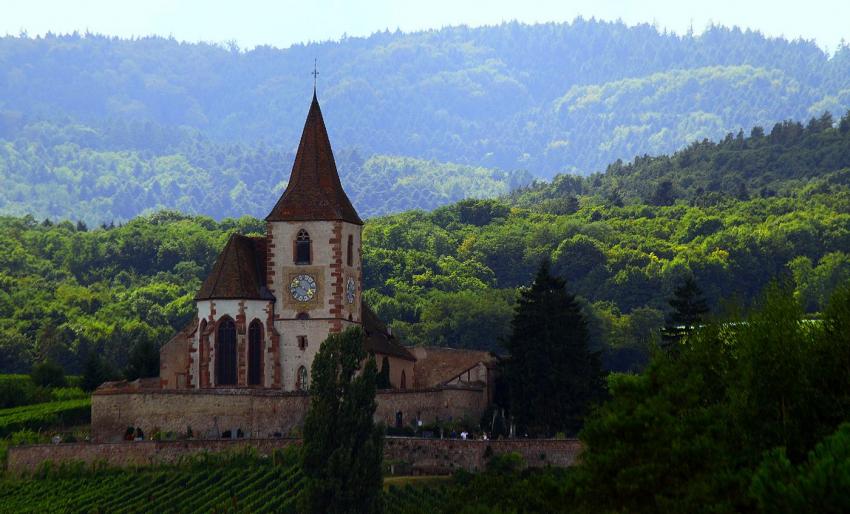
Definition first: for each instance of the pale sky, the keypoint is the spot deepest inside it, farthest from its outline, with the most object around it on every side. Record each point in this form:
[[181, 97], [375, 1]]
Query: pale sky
[[284, 22]]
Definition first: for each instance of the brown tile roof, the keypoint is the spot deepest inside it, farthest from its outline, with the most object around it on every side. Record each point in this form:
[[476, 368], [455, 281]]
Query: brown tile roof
[[377, 340], [435, 366], [239, 272], [314, 191]]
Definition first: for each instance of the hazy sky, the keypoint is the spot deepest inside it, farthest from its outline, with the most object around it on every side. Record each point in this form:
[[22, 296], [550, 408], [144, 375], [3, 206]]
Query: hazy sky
[[283, 22]]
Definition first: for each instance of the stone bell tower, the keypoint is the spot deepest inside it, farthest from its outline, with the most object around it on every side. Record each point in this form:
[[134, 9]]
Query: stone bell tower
[[313, 255]]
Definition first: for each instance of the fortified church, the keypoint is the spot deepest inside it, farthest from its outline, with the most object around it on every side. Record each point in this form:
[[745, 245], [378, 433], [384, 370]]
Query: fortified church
[[242, 365]]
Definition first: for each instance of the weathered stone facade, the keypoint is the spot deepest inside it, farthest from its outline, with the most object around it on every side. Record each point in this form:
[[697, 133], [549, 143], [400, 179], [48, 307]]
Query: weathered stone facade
[[260, 413]]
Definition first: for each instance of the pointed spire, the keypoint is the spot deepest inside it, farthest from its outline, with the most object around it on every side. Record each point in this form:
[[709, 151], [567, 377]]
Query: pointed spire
[[314, 191]]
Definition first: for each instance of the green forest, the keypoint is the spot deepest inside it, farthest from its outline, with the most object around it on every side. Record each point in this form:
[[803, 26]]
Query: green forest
[[736, 214], [112, 172], [104, 129]]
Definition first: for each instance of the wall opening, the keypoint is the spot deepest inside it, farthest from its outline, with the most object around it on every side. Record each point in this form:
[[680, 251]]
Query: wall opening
[[225, 353], [255, 353]]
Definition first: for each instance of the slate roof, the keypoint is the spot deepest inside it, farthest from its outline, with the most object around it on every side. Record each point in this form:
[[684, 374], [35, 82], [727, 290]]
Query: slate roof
[[239, 272], [314, 191], [377, 340], [436, 366]]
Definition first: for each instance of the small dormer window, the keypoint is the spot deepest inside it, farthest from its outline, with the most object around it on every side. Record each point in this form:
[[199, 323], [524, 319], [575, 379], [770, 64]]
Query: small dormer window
[[302, 247]]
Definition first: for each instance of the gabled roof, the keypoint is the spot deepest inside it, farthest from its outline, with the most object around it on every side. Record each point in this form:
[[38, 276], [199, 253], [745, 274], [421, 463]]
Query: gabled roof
[[239, 272], [314, 191], [377, 340], [436, 366]]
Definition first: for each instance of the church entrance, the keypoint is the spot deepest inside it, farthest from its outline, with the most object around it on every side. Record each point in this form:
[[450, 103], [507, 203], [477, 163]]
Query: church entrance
[[225, 353]]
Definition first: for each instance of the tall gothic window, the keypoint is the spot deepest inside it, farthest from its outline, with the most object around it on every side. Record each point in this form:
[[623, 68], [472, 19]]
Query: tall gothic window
[[350, 257], [301, 379], [403, 380], [255, 353], [302, 247], [225, 353]]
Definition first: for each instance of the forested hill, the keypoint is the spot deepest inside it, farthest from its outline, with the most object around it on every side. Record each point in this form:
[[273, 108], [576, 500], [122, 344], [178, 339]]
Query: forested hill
[[544, 98], [115, 170], [734, 214], [787, 159]]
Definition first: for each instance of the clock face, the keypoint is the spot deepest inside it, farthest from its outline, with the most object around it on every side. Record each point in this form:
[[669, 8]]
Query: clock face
[[350, 290], [303, 288]]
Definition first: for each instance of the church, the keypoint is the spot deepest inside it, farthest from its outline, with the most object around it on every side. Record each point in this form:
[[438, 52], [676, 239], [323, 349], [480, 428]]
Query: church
[[242, 365]]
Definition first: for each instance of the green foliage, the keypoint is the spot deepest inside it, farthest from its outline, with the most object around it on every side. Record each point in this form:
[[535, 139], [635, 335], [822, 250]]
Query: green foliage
[[689, 309], [95, 372], [505, 488], [340, 435], [814, 158], [43, 416], [117, 128], [47, 374], [234, 483], [547, 97], [817, 485], [450, 277], [551, 374], [143, 361], [688, 434]]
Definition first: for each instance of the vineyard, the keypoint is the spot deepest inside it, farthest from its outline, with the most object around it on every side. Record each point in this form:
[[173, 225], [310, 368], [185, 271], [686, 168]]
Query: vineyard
[[51, 414], [239, 485]]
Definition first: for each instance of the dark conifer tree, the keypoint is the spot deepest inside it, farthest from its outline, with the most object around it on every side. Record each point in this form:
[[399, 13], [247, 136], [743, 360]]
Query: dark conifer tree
[[689, 310], [95, 372], [343, 448], [664, 194], [552, 375], [383, 380], [143, 361]]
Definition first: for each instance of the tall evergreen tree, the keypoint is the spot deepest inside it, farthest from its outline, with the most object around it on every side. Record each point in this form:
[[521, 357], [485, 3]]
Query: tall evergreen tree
[[552, 375], [383, 379], [343, 448], [689, 310], [95, 372], [143, 361]]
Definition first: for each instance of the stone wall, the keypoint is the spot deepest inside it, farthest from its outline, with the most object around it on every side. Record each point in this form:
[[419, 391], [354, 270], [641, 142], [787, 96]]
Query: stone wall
[[419, 455], [259, 413]]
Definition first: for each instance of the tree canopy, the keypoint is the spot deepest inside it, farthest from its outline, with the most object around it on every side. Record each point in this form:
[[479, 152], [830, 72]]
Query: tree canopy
[[343, 448]]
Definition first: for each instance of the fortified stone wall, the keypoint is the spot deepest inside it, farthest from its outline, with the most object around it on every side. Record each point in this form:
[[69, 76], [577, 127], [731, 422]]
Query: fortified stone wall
[[259, 413], [420, 455]]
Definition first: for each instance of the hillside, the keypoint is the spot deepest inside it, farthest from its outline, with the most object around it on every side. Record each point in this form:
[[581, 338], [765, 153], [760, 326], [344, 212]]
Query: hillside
[[117, 170], [622, 239], [541, 98], [779, 161]]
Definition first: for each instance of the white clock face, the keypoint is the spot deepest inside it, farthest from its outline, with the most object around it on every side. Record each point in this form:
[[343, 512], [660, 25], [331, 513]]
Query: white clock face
[[350, 290], [303, 288]]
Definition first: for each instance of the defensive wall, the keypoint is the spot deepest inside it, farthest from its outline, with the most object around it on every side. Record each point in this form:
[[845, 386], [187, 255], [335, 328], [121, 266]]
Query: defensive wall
[[426, 456], [260, 413]]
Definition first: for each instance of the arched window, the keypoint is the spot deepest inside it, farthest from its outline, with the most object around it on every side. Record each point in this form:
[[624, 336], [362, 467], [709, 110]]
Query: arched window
[[301, 379], [302, 247], [403, 384], [350, 257], [255, 353], [225, 353]]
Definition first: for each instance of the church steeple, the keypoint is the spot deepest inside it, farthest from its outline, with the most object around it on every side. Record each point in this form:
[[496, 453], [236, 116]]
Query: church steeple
[[314, 192]]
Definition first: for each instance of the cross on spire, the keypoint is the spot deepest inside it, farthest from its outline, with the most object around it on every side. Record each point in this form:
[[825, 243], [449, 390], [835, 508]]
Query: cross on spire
[[315, 73]]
